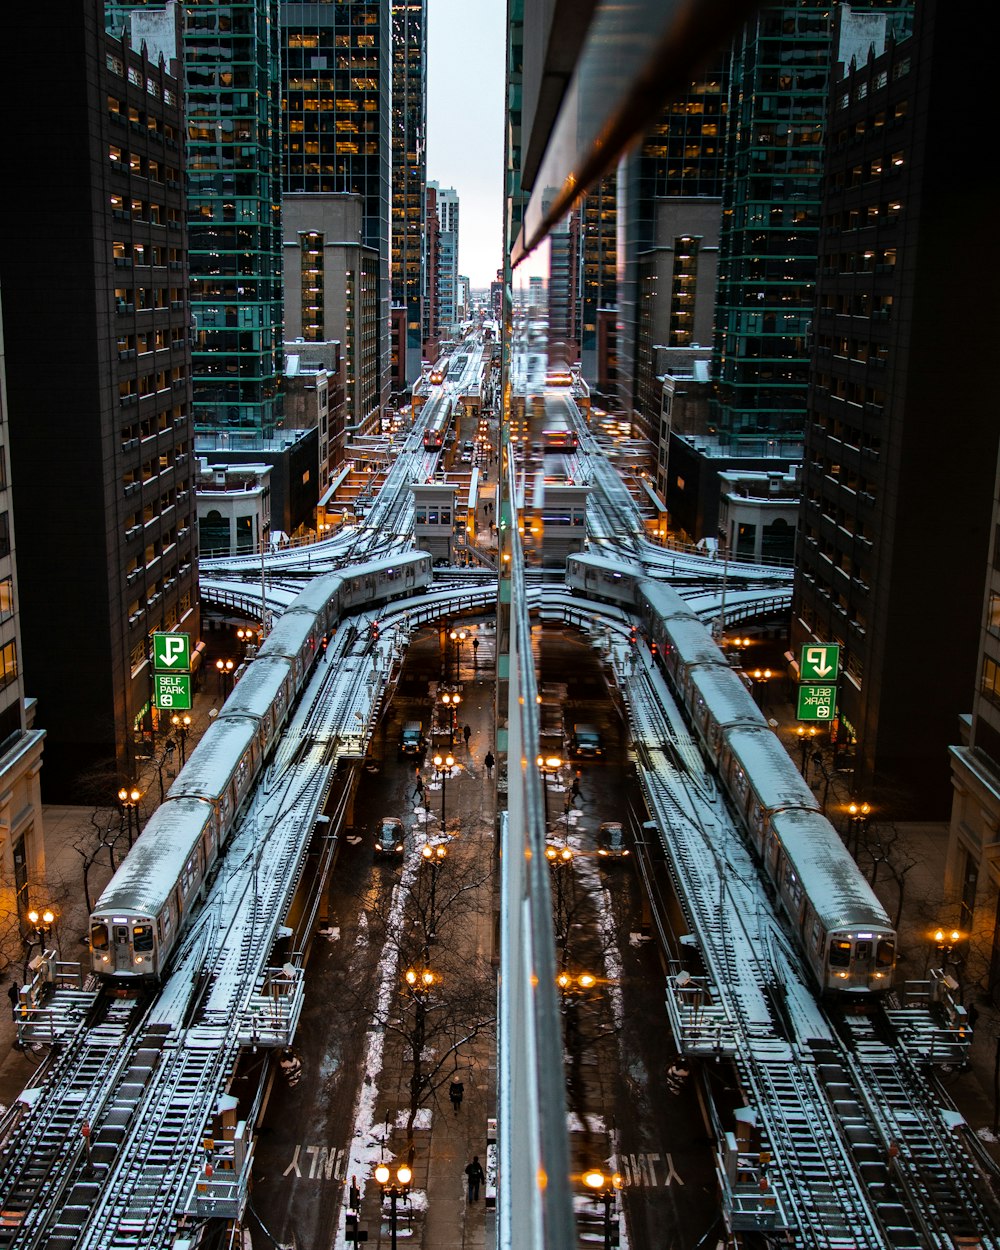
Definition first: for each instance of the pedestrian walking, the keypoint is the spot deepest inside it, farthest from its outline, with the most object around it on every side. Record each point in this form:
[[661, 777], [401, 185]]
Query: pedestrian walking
[[474, 1171], [456, 1091], [418, 787], [467, 734], [14, 994], [575, 788], [291, 1066], [489, 761], [677, 1074]]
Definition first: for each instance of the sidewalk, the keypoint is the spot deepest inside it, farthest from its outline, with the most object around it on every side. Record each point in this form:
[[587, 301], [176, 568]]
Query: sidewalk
[[446, 1220]]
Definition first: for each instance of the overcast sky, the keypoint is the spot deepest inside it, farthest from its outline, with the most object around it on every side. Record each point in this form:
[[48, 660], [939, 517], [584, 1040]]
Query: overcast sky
[[465, 124]]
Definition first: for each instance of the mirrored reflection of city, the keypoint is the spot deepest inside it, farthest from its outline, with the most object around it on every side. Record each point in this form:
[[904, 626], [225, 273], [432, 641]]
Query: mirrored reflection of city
[[474, 770]]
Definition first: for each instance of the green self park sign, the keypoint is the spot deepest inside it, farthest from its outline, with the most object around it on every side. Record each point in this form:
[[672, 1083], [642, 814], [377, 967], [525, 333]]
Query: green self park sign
[[172, 675], [819, 663]]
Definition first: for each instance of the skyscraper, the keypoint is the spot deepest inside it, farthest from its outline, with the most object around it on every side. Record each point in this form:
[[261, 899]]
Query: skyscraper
[[900, 452], [448, 211], [336, 87], [233, 209], [432, 271], [22, 842], [112, 430], [409, 175], [779, 83], [669, 208]]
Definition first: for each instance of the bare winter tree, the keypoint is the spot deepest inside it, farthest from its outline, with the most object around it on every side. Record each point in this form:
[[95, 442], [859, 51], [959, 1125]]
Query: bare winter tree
[[106, 839], [883, 846], [446, 999]]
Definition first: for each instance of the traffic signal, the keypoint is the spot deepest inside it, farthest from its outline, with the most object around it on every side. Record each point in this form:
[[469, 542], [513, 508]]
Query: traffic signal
[[654, 650], [632, 636]]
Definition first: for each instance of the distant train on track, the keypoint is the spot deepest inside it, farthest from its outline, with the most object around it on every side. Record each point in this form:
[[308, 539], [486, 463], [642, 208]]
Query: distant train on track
[[840, 926], [438, 424], [559, 430], [137, 920]]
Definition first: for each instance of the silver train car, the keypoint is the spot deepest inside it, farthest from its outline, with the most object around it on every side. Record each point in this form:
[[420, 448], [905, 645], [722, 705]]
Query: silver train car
[[607, 580], [136, 922], [840, 926]]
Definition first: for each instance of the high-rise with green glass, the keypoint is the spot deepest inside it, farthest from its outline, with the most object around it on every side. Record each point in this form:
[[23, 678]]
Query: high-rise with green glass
[[779, 86], [233, 196], [233, 208], [409, 175]]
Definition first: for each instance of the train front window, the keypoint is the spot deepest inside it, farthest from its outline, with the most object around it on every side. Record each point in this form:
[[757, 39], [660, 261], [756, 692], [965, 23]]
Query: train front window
[[863, 952], [840, 954], [142, 937], [885, 953], [99, 937]]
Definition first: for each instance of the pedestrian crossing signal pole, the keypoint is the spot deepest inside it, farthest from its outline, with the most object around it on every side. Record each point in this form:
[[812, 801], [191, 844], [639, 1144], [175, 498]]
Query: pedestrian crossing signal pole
[[352, 1232]]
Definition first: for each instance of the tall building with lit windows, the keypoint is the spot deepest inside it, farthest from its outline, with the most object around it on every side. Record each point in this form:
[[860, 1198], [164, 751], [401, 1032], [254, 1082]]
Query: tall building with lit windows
[[447, 204], [668, 214], [22, 840], [598, 285], [779, 85], [233, 208], [409, 181], [331, 291], [901, 442], [336, 115], [112, 428]]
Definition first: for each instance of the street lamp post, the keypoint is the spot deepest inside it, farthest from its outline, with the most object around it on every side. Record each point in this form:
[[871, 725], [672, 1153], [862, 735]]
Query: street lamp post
[[443, 767], [181, 725], [129, 799], [43, 922], [400, 1188], [806, 737], [604, 1189], [548, 766], [450, 699], [945, 942], [225, 670], [560, 859], [761, 676], [168, 751], [857, 823], [433, 856], [458, 636]]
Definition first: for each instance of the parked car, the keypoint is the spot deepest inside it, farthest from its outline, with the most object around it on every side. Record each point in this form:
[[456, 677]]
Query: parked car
[[390, 838], [611, 840]]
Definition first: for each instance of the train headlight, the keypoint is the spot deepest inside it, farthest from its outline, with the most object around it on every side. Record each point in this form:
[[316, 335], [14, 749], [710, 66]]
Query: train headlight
[[138, 959], [843, 975], [878, 975], [105, 959]]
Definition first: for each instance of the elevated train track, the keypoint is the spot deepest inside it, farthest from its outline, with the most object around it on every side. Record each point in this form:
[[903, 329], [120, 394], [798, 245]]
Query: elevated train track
[[858, 1152]]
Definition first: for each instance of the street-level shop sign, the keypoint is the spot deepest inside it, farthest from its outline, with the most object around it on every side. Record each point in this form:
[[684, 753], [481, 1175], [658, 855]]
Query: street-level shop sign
[[820, 662], [172, 690], [172, 652], [817, 702]]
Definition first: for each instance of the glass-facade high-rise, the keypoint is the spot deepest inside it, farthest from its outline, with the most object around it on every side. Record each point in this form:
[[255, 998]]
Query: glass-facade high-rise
[[233, 195], [779, 86], [336, 79], [409, 173]]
